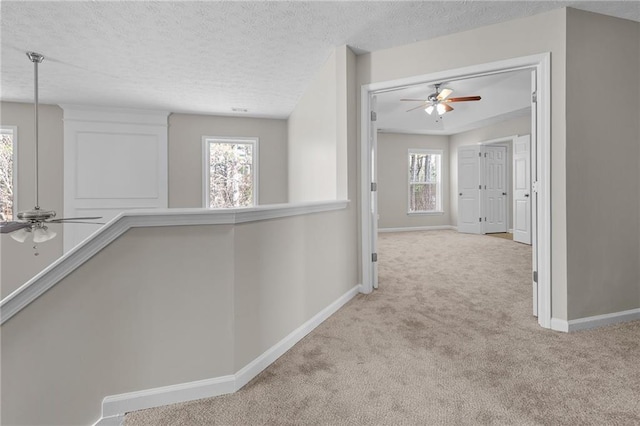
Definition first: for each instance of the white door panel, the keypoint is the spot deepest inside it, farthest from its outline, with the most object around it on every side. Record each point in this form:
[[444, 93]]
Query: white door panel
[[469, 190], [522, 190], [495, 194]]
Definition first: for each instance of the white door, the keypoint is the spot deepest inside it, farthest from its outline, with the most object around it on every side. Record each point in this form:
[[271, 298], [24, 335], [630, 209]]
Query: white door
[[469, 220], [374, 194], [522, 190], [495, 186]]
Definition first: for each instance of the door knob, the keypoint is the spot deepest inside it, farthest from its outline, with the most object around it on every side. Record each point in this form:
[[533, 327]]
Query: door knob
[[526, 195], [504, 193], [461, 194]]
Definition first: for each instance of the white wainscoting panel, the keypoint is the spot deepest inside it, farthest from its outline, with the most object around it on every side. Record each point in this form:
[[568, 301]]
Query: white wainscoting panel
[[115, 160]]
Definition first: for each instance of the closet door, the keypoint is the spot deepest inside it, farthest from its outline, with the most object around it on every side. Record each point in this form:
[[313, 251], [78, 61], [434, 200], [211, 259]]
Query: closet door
[[495, 189], [469, 219]]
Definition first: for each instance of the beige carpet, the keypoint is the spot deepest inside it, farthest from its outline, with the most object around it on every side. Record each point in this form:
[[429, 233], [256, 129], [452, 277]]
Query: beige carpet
[[448, 339], [505, 235]]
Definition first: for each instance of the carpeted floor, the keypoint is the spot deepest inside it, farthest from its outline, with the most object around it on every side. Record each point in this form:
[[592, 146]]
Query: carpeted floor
[[448, 339], [505, 235]]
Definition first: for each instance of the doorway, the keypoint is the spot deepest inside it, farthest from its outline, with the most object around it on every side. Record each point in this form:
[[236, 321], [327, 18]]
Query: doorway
[[540, 132]]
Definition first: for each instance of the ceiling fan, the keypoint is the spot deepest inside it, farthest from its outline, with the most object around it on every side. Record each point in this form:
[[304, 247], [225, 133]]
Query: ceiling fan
[[439, 101], [34, 222]]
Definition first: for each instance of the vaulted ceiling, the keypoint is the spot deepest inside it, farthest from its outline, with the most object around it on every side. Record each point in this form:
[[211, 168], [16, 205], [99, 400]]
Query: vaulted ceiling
[[212, 56]]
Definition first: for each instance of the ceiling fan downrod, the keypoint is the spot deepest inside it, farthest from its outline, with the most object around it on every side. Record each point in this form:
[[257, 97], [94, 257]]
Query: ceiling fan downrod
[[36, 215]]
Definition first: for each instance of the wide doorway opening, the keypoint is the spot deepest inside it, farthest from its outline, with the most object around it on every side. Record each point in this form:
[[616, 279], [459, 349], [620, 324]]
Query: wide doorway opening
[[436, 155]]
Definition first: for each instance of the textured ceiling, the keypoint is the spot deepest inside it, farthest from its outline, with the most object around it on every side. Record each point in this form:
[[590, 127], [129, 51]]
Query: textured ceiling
[[209, 57]]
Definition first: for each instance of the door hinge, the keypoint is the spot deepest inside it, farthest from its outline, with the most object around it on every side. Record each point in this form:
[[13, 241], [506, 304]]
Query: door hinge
[[479, 219], [374, 186], [485, 155], [485, 219], [479, 154], [534, 97], [535, 276], [479, 186], [374, 257], [374, 116]]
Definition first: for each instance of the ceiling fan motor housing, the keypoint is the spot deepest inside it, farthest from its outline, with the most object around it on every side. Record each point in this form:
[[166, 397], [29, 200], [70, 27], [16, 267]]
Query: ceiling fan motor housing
[[36, 215]]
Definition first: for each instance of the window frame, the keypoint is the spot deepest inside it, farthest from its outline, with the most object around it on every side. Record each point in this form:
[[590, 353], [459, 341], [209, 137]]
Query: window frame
[[440, 199], [206, 143], [13, 130]]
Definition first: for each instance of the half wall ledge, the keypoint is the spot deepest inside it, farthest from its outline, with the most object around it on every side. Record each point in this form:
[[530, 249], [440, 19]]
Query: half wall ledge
[[70, 261]]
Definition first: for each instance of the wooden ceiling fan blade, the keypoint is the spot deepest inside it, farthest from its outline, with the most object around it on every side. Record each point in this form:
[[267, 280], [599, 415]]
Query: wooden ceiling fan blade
[[419, 106], [414, 100], [464, 99], [443, 95], [447, 107]]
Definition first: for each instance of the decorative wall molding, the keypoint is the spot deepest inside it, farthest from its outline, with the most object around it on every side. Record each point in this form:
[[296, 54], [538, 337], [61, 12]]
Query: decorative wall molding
[[417, 228], [595, 321], [115, 407], [23, 296]]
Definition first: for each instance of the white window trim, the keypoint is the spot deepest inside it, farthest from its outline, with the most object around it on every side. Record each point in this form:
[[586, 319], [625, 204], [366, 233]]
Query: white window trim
[[440, 210], [231, 140], [14, 131]]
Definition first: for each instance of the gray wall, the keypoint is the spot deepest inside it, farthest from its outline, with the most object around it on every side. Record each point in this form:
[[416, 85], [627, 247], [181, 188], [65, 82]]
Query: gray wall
[[603, 171], [186, 161], [167, 305], [18, 263], [393, 189], [516, 38]]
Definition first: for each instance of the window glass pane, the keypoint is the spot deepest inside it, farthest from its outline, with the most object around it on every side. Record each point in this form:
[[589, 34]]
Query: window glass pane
[[230, 175], [423, 167], [423, 197], [6, 175], [425, 182]]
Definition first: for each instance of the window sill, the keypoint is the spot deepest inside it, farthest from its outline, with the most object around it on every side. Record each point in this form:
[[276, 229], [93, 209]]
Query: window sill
[[425, 213]]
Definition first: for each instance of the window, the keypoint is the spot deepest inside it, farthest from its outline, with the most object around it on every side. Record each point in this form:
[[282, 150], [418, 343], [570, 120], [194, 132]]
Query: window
[[425, 181], [231, 170], [8, 172]]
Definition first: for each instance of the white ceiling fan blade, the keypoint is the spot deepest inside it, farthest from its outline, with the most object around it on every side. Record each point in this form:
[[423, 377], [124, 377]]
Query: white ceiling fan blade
[[443, 95]]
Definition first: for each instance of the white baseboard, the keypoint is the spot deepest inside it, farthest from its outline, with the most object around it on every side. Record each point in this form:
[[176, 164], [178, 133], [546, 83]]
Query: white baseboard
[[117, 420], [417, 228], [594, 321], [559, 325], [256, 366], [116, 406]]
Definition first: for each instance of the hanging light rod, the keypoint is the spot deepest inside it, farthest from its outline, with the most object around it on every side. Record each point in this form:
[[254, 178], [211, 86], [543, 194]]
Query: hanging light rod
[[36, 215]]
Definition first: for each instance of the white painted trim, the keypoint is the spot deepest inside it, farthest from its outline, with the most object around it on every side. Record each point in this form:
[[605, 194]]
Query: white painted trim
[[417, 228], [132, 401], [602, 320], [70, 261], [542, 64], [116, 406], [117, 420], [595, 321], [256, 366], [114, 115], [559, 325]]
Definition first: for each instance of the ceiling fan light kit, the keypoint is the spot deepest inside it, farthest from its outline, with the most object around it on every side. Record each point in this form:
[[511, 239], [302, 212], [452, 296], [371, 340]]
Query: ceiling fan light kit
[[439, 101]]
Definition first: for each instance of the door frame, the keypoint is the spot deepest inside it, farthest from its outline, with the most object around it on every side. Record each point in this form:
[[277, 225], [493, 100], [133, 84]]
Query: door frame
[[541, 63]]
